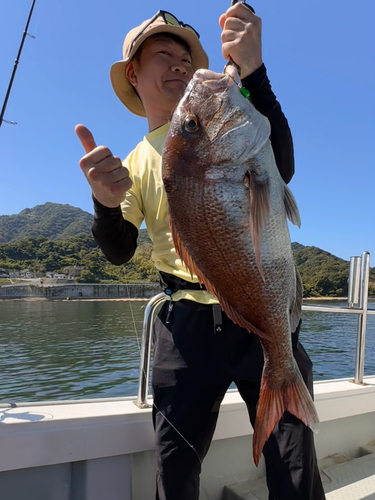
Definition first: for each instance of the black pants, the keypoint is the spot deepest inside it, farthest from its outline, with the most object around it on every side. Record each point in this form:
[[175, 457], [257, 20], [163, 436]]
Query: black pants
[[192, 370]]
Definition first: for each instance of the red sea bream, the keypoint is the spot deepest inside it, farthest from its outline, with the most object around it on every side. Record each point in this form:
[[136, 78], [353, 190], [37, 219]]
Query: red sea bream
[[228, 209]]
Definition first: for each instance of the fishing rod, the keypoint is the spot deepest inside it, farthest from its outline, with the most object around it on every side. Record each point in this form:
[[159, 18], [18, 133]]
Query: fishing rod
[[233, 2], [237, 79], [245, 4], [15, 66]]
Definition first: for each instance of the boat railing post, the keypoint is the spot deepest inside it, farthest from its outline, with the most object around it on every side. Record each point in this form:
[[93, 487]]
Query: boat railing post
[[362, 318], [144, 369], [354, 282]]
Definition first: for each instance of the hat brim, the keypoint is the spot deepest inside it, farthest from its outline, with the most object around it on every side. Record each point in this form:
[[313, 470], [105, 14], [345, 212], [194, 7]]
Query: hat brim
[[121, 85]]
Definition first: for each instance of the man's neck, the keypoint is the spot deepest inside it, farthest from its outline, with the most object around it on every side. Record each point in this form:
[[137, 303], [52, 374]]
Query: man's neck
[[158, 116], [155, 122]]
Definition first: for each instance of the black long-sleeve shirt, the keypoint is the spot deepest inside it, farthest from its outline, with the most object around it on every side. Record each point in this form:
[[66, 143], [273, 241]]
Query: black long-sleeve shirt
[[117, 237]]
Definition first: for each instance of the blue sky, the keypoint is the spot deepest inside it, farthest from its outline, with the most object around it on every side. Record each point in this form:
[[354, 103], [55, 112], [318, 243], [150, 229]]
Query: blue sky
[[320, 58]]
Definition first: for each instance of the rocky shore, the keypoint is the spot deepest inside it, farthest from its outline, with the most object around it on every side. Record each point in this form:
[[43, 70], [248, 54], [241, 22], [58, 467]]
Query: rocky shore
[[80, 291]]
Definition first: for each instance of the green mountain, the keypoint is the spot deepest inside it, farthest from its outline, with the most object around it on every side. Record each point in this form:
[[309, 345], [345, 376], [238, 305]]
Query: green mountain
[[51, 220], [54, 237], [323, 274]]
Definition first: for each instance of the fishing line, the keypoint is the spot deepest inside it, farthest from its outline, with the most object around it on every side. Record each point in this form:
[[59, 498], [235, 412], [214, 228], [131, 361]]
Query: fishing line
[[192, 447], [132, 312], [179, 433], [245, 93], [145, 373], [36, 24]]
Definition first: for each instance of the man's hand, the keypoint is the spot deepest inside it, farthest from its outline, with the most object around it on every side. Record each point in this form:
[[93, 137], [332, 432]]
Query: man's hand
[[241, 38], [108, 178]]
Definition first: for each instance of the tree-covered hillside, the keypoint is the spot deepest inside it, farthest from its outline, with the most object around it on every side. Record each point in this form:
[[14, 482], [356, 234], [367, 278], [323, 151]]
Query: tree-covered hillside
[[41, 255], [54, 237], [322, 274], [51, 220]]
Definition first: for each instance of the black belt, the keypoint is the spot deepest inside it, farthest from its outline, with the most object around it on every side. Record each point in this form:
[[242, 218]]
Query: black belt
[[170, 284]]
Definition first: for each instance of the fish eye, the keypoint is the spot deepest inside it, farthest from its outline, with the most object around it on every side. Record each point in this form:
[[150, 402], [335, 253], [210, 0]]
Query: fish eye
[[191, 123]]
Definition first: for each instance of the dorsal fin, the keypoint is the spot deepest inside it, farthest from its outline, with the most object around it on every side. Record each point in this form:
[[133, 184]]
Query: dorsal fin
[[297, 305], [291, 207]]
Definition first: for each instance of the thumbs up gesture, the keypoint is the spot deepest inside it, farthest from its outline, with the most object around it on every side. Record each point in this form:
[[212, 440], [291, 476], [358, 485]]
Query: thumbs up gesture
[[108, 178]]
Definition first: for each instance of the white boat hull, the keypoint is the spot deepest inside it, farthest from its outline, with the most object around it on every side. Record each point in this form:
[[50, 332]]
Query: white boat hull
[[103, 450]]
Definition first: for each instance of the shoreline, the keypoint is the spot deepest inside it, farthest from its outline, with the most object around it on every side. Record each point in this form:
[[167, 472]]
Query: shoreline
[[72, 299], [133, 299], [123, 299], [325, 298]]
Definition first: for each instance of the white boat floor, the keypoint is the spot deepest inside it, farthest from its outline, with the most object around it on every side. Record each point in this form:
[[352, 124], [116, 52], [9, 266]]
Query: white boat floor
[[343, 479], [352, 480]]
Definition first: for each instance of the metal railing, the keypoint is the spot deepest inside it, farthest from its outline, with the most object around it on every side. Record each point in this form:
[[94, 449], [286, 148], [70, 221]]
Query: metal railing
[[357, 304], [144, 369]]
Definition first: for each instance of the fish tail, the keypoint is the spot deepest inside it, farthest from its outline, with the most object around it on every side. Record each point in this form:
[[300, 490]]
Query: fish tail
[[272, 404]]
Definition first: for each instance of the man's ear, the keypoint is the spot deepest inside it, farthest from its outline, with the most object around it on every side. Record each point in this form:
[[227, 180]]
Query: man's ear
[[131, 73]]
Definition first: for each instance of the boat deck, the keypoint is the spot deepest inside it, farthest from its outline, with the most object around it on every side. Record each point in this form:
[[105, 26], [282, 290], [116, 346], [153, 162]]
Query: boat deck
[[351, 480], [343, 479]]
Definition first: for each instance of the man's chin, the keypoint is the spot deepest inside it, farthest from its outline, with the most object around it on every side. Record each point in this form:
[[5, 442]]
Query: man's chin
[[175, 86], [175, 94]]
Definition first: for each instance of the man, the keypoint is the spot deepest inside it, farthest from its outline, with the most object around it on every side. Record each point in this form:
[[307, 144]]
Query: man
[[198, 351]]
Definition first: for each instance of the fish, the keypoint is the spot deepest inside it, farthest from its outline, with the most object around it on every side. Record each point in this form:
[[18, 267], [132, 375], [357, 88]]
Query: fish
[[228, 209]]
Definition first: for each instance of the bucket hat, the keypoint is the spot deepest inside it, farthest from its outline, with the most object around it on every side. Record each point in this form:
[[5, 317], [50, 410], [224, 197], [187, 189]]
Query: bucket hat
[[161, 22]]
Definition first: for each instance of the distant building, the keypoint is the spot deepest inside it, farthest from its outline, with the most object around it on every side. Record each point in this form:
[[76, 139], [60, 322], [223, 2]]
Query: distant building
[[73, 271], [26, 274], [52, 274]]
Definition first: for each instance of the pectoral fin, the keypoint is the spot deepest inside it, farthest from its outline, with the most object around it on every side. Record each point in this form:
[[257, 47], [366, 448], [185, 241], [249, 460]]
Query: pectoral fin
[[259, 212]]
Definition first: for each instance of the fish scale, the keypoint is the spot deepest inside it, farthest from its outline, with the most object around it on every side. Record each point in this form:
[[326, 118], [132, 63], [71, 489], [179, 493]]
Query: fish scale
[[228, 209]]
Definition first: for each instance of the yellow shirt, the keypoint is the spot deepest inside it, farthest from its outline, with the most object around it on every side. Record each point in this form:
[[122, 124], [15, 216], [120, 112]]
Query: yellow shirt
[[147, 200]]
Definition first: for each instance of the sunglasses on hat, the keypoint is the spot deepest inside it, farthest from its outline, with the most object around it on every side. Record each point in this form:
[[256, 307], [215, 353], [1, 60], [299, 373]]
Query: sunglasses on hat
[[168, 19]]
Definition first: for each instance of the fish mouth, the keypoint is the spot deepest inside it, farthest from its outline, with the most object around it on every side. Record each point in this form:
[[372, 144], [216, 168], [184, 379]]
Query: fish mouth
[[217, 82], [232, 72]]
